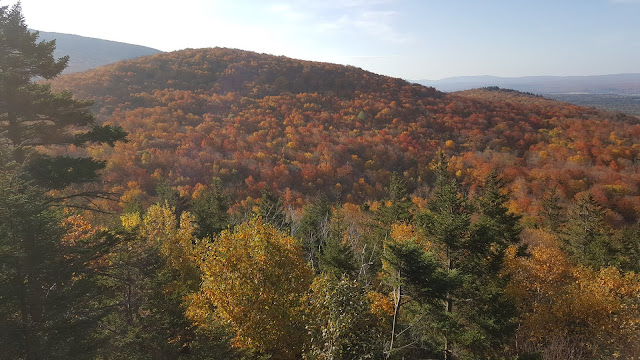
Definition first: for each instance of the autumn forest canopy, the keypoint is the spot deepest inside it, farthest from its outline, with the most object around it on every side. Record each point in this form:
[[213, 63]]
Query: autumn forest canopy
[[225, 204]]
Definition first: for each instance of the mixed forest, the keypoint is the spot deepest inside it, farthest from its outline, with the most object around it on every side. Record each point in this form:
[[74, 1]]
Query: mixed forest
[[224, 204]]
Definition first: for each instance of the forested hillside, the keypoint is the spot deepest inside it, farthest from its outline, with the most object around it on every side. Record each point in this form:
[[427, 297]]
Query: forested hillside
[[302, 128]]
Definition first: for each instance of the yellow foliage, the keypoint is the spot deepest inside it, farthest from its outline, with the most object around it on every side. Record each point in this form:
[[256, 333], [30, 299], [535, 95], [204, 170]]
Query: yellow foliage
[[558, 299], [176, 241], [382, 306], [255, 277], [404, 233], [130, 220]]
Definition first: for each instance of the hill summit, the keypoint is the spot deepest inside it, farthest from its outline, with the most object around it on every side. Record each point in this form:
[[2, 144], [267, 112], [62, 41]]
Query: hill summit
[[302, 128]]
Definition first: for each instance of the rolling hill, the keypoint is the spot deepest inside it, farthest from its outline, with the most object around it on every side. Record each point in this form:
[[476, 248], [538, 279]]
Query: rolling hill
[[87, 53], [302, 128]]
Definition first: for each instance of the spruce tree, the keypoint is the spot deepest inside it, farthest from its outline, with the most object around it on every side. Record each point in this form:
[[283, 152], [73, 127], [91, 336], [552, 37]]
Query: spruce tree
[[313, 229], [210, 209], [46, 284], [587, 238], [475, 317], [271, 209], [553, 213], [447, 222], [399, 204], [32, 116]]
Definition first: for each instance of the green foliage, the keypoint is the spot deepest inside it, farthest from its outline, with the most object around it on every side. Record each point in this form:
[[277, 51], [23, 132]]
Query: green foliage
[[32, 116], [496, 228], [400, 208], [211, 210], [553, 213], [627, 240], [587, 238], [340, 322], [313, 229], [476, 317], [271, 210], [49, 276], [447, 219], [418, 272], [337, 258], [47, 284], [62, 171], [101, 134]]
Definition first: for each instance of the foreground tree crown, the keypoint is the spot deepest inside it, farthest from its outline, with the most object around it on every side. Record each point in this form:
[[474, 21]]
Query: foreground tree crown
[[33, 119]]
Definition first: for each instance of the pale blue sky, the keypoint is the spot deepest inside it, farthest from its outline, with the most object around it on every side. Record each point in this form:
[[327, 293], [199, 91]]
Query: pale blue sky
[[412, 39]]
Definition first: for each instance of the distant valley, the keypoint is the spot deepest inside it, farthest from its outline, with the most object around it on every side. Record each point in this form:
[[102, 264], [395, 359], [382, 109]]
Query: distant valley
[[618, 92]]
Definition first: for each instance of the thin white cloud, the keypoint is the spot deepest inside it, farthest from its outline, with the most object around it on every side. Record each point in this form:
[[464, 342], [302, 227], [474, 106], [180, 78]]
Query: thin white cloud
[[371, 18], [287, 12], [378, 24]]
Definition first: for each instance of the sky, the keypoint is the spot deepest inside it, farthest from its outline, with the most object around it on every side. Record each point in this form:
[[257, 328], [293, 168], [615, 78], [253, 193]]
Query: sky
[[411, 39]]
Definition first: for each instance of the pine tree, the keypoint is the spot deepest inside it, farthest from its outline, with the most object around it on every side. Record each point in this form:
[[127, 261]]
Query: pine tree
[[271, 210], [210, 209], [46, 284], [313, 229], [476, 317], [587, 238], [32, 116], [553, 213]]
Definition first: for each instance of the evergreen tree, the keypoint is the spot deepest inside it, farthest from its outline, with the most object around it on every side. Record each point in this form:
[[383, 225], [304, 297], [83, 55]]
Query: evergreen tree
[[587, 238], [491, 316], [476, 316], [627, 241], [313, 229], [496, 228], [420, 284], [399, 204], [32, 116], [47, 282], [447, 223], [211, 210], [47, 285], [271, 210], [553, 213], [337, 258]]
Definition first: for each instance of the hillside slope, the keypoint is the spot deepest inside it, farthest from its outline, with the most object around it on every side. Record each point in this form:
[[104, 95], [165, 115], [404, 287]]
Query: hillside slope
[[87, 53], [302, 128]]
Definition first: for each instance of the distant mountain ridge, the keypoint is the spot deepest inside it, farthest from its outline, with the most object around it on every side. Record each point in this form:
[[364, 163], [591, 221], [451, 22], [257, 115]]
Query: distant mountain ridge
[[87, 53], [616, 92], [618, 84]]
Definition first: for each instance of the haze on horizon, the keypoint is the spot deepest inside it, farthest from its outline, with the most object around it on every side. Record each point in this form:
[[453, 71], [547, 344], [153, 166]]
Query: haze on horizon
[[412, 39]]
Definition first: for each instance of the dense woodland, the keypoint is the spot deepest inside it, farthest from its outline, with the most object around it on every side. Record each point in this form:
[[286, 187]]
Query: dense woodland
[[224, 204]]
